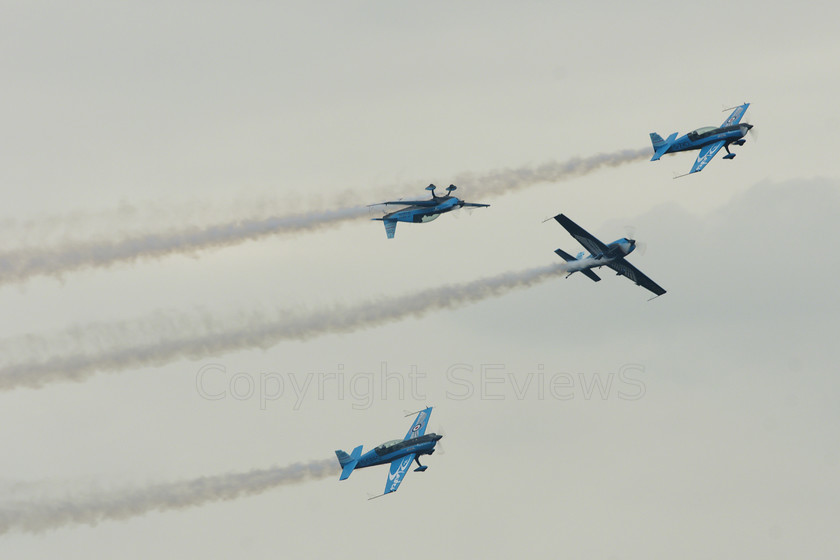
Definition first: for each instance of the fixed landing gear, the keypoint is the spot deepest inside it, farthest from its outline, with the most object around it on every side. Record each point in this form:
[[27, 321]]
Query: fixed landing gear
[[729, 155]]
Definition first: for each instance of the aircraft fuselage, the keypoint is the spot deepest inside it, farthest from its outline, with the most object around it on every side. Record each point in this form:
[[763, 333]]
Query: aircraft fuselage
[[615, 250], [419, 214], [709, 135], [392, 450]]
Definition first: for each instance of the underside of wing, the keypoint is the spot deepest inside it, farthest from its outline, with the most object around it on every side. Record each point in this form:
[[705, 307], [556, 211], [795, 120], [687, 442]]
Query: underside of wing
[[736, 115], [705, 156], [589, 241], [418, 428], [398, 469], [424, 203], [626, 269]]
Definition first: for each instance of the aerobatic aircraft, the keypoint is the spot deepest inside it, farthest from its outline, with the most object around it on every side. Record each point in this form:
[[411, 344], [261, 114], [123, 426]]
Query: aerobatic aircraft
[[709, 140], [419, 211], [611, 255], [399, 452]]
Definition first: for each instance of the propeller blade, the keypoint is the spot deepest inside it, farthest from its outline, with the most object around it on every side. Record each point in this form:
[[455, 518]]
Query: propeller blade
[[630, 235], [641, 248], [747, 119], [439, 445]]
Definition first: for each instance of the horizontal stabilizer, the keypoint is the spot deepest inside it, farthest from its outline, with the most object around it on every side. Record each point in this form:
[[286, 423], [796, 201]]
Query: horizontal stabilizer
[[590, 274], [566, 256], [569, 258]]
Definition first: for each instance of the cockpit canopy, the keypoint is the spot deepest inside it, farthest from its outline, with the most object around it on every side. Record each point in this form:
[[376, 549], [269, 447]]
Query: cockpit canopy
[[382, 449], [701, 132]]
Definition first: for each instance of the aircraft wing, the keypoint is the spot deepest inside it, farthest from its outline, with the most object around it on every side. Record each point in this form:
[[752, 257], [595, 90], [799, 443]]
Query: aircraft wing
[[589, 241], [419, 427], [424, 203], [624, 268], [705, 156], [398, 469], [474, 205], [736, 115]]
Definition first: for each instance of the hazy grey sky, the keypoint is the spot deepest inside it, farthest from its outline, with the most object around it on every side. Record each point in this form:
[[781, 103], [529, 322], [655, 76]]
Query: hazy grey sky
[[580, 419]]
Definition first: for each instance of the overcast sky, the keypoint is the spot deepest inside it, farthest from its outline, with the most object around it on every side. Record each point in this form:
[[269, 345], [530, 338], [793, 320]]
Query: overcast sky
[[579, 418]]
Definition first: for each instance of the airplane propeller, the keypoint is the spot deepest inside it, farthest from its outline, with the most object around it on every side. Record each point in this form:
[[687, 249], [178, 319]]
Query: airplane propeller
[[439, 448], [748, 117], [457, 212], [439, 431], [469, 210], [746, 120], [630, 235], [641, 248], [752, 132]]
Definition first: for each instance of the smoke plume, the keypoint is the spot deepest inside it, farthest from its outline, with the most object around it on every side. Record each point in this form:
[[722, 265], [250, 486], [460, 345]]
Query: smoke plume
[[21, 264], [40, 514], [18, 265], [163, 338], [506, 181]]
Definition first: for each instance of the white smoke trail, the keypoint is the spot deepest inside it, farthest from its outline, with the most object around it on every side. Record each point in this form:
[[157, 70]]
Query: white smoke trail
[[21, 264], [164, 338], [18, 265], [503, 182], [38, 514]]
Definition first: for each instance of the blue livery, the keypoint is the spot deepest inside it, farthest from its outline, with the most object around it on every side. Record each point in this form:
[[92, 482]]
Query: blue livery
[[399, 453], [600, 254], [420, 211], [709, 140]]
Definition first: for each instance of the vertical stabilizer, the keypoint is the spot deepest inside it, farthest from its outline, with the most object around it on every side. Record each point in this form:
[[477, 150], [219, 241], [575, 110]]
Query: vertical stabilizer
[[656, 140], [660, 145], [348, 462]]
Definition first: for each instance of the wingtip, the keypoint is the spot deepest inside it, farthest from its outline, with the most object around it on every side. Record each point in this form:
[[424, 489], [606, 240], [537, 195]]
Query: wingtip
[[407, 413]]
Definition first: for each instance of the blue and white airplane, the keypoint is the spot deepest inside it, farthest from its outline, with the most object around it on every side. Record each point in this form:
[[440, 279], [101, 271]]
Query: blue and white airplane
[[419, 211], [709, 140], [611, 255], [399, 452]]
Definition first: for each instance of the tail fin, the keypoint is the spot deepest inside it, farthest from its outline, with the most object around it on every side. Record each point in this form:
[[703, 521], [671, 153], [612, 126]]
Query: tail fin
[[656, 140], [390, 228], [348, 462], [660, 145], [585, 271]]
